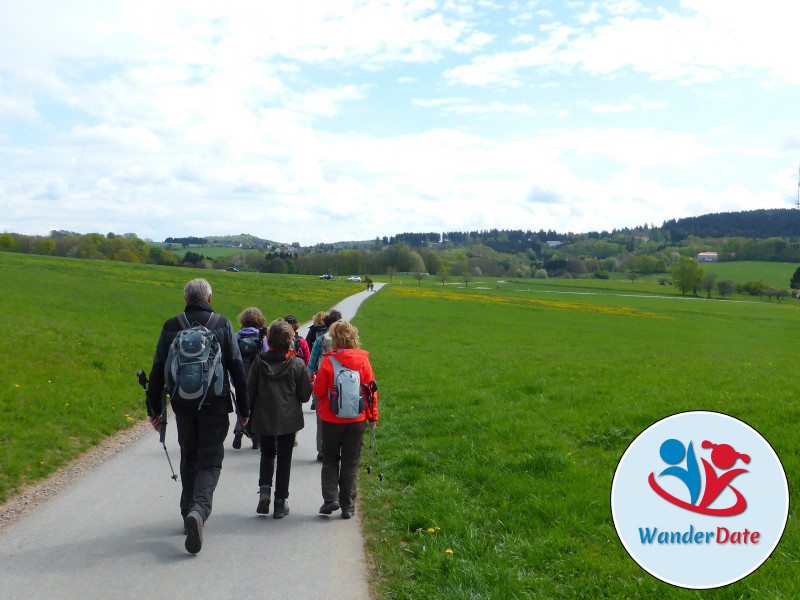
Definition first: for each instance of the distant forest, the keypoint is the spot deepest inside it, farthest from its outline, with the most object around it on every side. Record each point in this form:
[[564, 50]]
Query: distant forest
[[761, 235]]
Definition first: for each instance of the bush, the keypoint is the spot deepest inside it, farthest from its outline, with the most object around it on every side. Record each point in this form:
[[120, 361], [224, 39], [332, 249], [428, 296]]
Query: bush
[[754, 288], [601, 275], [541, 274]]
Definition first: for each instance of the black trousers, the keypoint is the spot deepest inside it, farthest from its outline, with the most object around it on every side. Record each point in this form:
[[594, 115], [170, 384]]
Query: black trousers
[[341, 453], [201, 438], [278, 447]]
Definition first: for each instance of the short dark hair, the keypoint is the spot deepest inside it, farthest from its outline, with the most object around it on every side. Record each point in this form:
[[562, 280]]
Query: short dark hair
[[292, 320], [331, 318]]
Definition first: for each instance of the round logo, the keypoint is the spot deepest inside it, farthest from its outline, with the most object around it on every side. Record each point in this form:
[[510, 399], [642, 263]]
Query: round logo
[[699, 500]]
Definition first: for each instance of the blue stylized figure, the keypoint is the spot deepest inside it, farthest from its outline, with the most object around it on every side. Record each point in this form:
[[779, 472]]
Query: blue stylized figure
[[672, 452]]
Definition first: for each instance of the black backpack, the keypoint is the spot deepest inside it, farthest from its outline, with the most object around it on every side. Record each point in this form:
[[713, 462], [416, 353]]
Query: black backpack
[[249, 347]]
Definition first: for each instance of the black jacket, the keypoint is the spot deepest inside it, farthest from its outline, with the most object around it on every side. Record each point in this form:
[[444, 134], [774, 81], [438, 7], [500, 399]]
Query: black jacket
[[200, 312], [314, 332], [278, 387]]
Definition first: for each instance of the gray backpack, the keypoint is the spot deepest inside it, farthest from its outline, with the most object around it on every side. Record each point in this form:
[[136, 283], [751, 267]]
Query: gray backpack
[[194, 363], [346, 397]]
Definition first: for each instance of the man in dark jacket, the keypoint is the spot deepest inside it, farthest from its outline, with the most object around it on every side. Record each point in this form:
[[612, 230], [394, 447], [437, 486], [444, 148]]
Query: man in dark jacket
[[201, 433]]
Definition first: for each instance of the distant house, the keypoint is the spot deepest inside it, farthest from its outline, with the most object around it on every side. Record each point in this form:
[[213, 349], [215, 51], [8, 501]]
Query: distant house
[[553, 243], [705, 257]]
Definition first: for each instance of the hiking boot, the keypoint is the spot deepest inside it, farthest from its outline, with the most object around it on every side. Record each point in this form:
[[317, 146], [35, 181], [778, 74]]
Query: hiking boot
[[265, 493], [193, 523], [237, 439], [329, 507], [348, 513], [281, 509]]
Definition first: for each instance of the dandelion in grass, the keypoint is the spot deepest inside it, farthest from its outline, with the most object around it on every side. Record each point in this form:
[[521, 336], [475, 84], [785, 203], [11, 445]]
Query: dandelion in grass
[[431, 530], [448, 551]]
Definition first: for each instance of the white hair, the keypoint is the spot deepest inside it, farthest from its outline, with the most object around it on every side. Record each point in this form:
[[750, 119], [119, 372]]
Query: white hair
[[197, 290]]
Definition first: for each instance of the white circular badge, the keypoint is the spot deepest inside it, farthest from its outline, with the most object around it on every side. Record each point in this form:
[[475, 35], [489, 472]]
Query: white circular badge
[[699, 500]]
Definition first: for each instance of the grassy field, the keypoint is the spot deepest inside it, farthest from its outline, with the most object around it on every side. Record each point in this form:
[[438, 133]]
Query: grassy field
[[75, 332], [505, 413], [505, 408], [775, 274]]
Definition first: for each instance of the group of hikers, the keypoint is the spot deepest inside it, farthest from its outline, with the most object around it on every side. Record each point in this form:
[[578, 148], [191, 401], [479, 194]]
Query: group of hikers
[[265, 373]]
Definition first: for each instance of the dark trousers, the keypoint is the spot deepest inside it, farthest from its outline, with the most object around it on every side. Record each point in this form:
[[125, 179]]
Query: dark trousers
[[201, 438], [280, 447], [341, 453]]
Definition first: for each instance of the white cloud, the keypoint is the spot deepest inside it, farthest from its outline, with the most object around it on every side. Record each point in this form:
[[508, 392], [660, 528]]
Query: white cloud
[[708, 41], [326, 102], [633, 103], [127, 117], [107, 137], [13, 108]]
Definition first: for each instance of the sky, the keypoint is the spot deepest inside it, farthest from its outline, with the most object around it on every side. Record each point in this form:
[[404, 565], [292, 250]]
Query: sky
[[329, 120]]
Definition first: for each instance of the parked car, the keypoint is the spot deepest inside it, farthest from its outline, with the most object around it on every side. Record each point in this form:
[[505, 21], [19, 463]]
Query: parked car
[[233, 269], [354, 278], [326, 276]]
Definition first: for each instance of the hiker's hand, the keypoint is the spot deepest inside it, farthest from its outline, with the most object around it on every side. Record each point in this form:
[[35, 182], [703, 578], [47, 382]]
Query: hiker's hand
[[245, 421], [372, 424], [155, 422]]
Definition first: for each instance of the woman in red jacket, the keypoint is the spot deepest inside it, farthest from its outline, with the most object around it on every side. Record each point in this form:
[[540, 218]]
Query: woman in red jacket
[[342, 438]]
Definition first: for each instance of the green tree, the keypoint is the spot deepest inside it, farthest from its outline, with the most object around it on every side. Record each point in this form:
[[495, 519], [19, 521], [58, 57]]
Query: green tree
[[442, 275], [725, 288], [794, 283], [687, 274], [432, 260], [192, 258], [707, 283]]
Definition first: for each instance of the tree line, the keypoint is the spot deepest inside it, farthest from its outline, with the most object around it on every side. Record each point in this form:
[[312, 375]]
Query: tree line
[[644, 250]]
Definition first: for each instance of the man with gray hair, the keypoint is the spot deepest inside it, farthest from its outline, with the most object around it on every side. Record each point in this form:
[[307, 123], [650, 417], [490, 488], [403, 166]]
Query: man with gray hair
[[201, 430]]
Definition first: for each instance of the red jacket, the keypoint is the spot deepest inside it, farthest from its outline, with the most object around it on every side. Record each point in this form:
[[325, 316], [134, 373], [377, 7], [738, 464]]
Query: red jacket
[[352, 358]]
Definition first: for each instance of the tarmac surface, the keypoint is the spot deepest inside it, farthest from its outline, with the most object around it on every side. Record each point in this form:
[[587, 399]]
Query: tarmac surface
[[117, 532]]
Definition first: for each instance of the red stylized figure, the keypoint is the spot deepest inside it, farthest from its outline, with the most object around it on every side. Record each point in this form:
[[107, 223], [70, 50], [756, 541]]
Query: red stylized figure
[[724, 457]]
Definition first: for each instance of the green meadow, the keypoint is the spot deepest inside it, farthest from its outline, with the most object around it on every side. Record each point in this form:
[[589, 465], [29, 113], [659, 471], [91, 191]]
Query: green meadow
[[505, 407], [505, 412], [76, 331]]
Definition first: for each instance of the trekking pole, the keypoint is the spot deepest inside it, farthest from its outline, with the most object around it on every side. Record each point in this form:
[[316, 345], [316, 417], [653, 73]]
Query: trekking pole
[[373, 439], [162, 434]]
